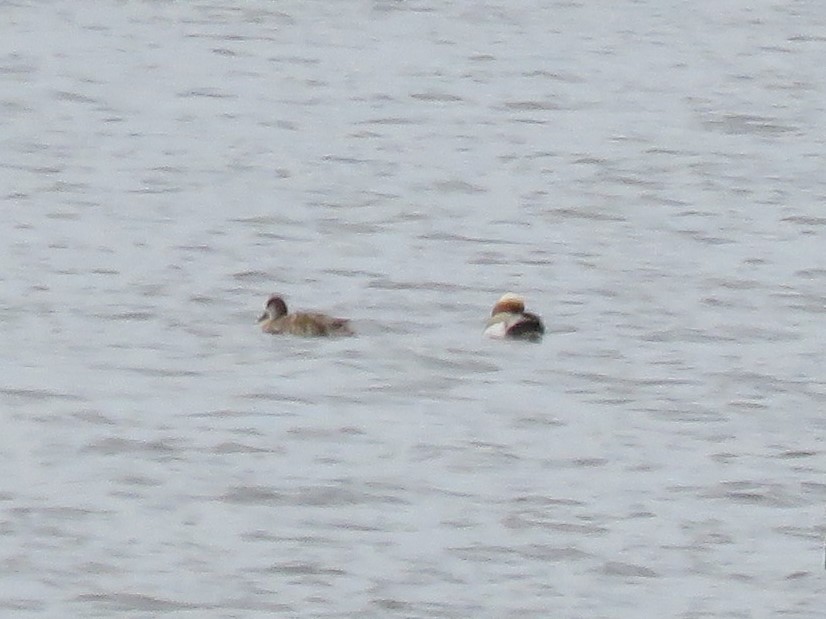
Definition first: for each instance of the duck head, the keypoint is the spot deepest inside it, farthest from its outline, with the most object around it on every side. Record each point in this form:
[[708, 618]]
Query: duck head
[[509, 303], [275, 308]]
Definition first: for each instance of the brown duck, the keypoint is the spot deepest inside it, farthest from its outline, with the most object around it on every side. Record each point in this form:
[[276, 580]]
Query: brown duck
[[276, 319]]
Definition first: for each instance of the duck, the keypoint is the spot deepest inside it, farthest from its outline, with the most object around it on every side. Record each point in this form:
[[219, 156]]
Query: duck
[[509, 320], [276, 320]]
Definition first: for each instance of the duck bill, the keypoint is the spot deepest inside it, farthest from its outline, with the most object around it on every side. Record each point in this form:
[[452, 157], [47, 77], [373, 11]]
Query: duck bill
[[262, 317]]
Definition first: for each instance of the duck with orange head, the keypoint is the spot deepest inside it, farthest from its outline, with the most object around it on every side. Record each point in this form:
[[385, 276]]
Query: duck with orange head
[[510, 321]]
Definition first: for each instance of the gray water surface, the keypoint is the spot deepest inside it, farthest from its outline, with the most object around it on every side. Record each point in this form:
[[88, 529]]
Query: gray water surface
[[648, 174]]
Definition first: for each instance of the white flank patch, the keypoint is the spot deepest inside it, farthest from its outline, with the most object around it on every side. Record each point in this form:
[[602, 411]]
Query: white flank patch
[[497, 330]]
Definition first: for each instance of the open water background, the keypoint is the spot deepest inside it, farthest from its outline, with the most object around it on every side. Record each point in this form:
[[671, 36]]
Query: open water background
[[649, 174]]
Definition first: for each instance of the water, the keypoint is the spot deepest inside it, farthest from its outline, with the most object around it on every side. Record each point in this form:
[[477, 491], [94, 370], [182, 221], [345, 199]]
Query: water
[[648, 174]]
